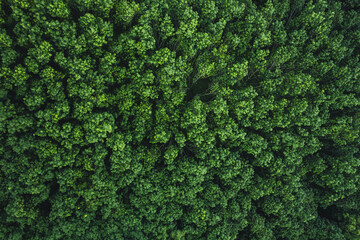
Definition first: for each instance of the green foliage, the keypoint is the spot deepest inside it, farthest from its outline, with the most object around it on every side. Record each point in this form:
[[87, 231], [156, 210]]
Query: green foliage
[[179, 119]]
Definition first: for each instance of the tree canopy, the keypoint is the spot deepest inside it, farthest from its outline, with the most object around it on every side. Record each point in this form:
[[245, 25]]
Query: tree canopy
[[179, 119]]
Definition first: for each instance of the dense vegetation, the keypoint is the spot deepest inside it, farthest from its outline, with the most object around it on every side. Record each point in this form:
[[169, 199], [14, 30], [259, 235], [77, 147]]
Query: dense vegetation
[[179, 119]]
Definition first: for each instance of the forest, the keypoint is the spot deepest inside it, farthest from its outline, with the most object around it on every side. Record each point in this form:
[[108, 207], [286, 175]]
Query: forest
[[179, 119]]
